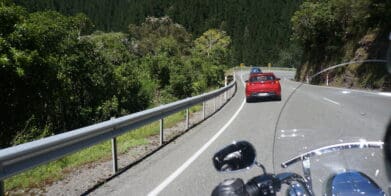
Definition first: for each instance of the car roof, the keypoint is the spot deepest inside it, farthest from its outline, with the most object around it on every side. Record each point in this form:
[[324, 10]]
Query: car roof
[[262, 74], [255, 68]]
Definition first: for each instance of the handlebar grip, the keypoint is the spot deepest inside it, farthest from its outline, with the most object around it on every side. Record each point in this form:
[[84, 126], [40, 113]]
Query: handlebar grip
[[265, 184], [252, 189], [230, 187]]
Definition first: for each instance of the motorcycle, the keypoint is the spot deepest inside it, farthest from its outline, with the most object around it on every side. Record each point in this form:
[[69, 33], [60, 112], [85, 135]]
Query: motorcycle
[[241, 155], [319, 152]]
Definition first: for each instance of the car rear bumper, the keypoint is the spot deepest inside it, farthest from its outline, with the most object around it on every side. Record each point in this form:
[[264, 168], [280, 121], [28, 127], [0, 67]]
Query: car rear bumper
[[263, 94]]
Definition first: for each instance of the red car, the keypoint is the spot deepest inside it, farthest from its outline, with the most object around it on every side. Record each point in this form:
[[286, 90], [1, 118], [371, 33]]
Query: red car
[[263, 85]]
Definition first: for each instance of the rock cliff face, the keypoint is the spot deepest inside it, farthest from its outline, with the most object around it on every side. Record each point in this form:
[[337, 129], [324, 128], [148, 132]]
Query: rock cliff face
[[370, 75]]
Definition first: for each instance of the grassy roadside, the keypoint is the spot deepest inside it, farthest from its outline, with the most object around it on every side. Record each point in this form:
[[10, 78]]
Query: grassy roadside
[[56, 170]]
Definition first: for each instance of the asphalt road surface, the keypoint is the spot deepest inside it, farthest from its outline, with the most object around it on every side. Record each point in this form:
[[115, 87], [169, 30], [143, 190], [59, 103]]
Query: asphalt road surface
[[314, 116]]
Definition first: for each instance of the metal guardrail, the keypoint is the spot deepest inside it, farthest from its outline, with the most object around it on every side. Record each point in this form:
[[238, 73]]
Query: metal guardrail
[[348, 63], [22, 157], [309, 78]]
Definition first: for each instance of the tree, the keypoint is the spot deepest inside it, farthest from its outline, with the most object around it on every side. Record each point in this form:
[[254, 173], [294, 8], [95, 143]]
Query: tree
[[157, 35], [30, 55], [214, 44], [84, 25]]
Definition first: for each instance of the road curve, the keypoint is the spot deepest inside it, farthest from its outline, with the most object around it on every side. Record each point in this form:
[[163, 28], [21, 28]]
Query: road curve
[[254, 122]]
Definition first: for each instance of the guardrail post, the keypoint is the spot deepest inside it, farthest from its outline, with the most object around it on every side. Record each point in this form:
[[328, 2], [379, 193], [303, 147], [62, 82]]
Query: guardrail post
[[214, 104], [327, 79], [187, 119], [230, 93], [225, 84], [203, 110], [218, 102], [161, 131], [233, 89], [2, 189], [114, 152], [221, 100]]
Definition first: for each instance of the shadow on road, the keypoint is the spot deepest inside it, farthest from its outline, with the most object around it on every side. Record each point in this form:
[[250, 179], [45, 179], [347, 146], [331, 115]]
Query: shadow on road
[[265, 99]]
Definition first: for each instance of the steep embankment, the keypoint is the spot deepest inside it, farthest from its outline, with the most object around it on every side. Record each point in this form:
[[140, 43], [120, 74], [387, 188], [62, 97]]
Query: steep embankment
[[333, 32]]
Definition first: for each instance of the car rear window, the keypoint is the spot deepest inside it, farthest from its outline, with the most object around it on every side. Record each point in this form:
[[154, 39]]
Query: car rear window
[[255, 70], [261, 78]]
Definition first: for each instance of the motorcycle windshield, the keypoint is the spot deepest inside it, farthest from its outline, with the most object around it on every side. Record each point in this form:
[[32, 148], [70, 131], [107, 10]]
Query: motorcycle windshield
[[316, 118]]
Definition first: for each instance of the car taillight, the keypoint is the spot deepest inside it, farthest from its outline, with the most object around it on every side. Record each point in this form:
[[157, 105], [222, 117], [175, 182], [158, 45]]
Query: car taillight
[[276, 81]]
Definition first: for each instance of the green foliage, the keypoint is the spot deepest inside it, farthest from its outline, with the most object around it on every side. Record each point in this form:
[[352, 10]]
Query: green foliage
[[9, 16], [56, 77], [159, 35], [45, 32], [181, 81], [84, 25], [259, 28], [334, 31], [291, 56], [325, 25], [213, 44], [28, 81], [158, 68], [176, 68], [31, 132]]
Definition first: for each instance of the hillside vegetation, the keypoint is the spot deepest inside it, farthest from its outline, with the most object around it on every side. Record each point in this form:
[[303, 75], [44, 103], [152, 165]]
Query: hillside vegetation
[[259, 28], [336, 31], [58, 74]]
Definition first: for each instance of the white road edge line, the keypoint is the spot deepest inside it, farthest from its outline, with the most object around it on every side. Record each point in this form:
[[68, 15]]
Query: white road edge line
[[355, 90], [174, 175], [385, 94], [331, 101]]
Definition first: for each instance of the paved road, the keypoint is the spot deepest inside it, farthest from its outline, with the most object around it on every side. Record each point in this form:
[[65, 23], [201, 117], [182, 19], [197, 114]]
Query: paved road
[[318, 114]]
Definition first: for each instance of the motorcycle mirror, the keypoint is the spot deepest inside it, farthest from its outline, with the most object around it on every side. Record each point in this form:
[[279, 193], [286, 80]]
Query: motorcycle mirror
[[239, 155]]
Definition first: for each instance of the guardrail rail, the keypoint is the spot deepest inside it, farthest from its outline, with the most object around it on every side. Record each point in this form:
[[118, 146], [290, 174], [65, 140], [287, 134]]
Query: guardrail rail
[[16, 159]]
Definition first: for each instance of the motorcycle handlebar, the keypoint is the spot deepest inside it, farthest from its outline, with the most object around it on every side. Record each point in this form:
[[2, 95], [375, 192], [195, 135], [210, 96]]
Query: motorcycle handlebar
[[266, 184], [231, 187]]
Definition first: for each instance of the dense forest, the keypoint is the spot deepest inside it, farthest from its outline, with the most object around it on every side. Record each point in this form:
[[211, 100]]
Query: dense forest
[[259, 28], [57, 73]]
